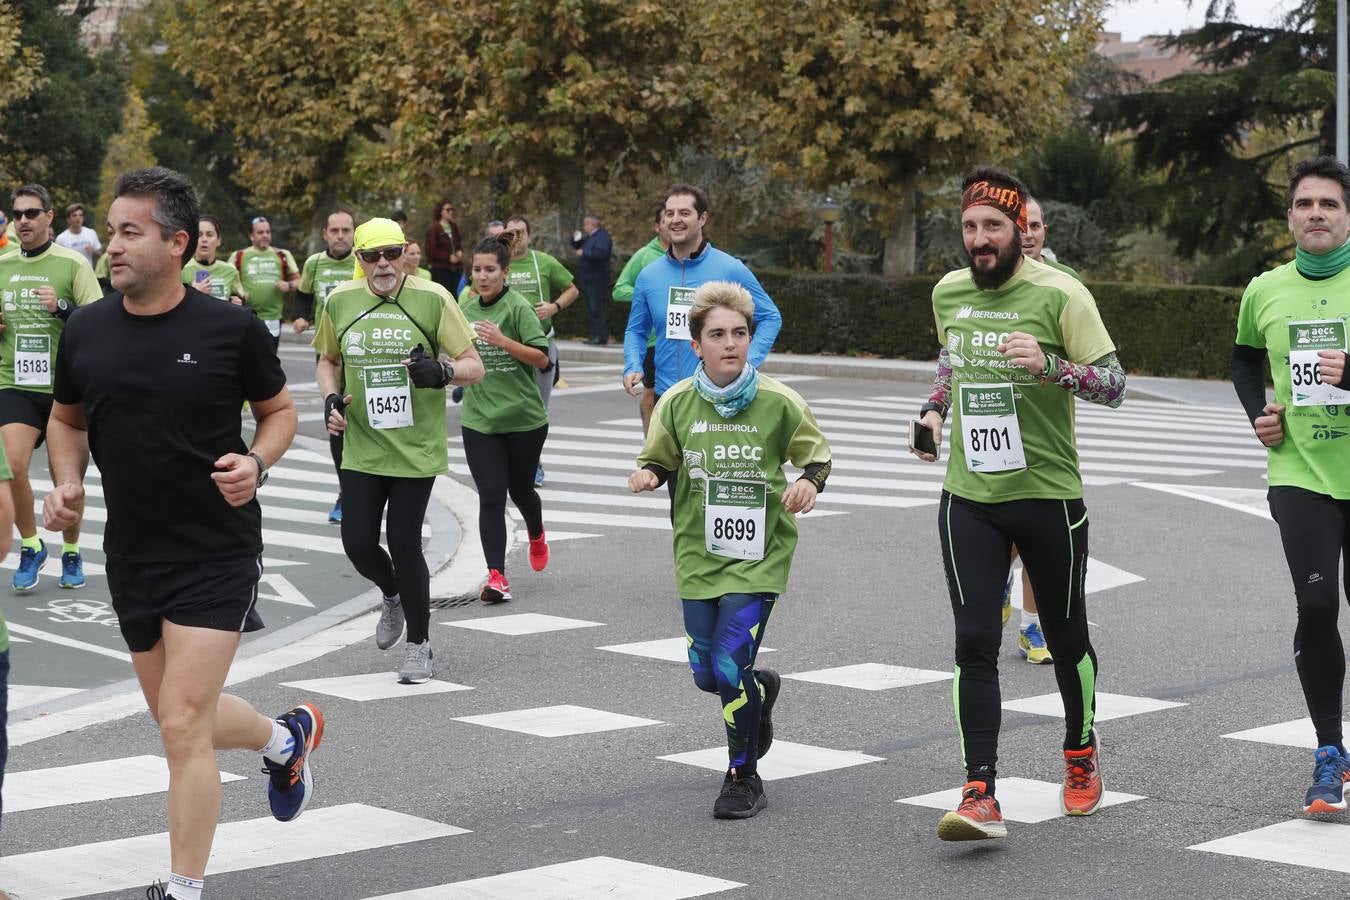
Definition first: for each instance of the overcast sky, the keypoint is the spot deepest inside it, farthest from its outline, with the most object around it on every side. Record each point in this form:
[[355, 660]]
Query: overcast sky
[[1136, 18]]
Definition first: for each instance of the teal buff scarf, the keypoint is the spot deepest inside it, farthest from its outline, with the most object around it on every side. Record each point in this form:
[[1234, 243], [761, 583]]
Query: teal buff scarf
[[729, 400], [1322, 265]]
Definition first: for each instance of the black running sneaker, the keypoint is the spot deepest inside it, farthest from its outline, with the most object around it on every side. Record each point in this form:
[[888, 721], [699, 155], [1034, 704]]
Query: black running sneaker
[[772, 682], [741, 797]]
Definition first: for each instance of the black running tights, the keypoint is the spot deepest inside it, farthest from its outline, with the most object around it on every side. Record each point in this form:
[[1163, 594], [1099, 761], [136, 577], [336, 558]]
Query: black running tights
[[403, 570], [503, 464]]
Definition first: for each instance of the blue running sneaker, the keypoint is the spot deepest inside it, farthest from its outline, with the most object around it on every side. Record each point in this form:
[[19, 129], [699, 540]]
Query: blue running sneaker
[[1330, 772], [291, 783], [1031, 644], [335, 516], [30, 563], [72, 571], [539, 476]]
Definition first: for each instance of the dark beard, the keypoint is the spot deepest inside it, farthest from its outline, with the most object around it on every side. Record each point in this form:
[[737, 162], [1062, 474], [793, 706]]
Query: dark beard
[[1006, 264]]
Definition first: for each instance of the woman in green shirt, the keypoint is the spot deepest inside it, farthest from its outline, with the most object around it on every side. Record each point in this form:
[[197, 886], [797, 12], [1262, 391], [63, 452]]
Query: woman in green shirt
[[504, 421], [730, 430]]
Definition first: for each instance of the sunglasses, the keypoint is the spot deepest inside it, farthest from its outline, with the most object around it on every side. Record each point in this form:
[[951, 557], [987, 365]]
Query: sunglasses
[[389, 253], [31, 213]]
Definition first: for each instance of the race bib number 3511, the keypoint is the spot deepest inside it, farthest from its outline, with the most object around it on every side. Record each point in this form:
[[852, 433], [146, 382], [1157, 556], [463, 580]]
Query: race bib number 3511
[[1305, 369], [989, 430], [388, 398], [734, 518], [678, 303]]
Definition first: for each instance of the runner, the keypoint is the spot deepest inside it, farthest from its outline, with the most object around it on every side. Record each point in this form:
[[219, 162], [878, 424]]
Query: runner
[[1021, 340], [623, 293], [152, 380], [412, 262], [490, 230], [268, 274], [43, 283], [547, 284], [207, 274], [1295, 315], [322, 272], [732, 430], [1033, 242], [372, 339], [79, 238], [664, 291], [504, 422]]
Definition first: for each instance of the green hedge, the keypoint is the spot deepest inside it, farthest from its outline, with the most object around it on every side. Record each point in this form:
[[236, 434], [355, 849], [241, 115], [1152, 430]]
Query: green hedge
[[1180, 331]]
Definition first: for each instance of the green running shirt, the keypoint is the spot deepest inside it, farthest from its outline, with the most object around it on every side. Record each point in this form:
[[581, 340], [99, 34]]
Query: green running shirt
[[507, 399], [29, 340], [260, 270], [322, 273], [1060, 313], [219, 280], [369, 332], [1316, 438], [539, 278], [689, 437]]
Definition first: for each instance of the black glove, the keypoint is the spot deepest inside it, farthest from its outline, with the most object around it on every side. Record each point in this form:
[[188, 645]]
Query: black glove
[[330, 403], [424, 370]]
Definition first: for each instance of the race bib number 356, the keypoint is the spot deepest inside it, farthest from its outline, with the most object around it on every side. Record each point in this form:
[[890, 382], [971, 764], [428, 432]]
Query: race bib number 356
[[1305, 369], [734, 518], [678, 303], [989, 429], [388, 398]]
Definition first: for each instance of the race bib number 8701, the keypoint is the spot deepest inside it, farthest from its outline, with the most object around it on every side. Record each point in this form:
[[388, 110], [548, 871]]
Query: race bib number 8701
[[990, 432]]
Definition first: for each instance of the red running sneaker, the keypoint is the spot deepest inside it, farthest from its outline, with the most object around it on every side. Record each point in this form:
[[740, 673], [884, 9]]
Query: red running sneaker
[[538, 553], [978, 818], [1082, 790], [496, 590]]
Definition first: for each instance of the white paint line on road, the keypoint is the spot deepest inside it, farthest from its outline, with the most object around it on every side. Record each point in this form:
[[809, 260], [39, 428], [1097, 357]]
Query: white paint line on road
[[24, 695], [39, 635], [374, 686], [871, 676], [788, 760], [134, 862], [596, 878], [523, 623], [1251, 501], [1297, 842], [674, 649], [1294, 733], [1109, 706], [90, 782], [559, 721]]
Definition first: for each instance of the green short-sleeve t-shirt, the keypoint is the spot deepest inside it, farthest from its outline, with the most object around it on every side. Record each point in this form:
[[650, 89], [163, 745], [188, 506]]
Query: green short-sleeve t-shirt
[[507, 399], [219, 280], [322, 273], [31, 334], [372, 335], [1067, 270], [1060, 313], [1281, 309], [260, 271], [539, 278], [688, 436]]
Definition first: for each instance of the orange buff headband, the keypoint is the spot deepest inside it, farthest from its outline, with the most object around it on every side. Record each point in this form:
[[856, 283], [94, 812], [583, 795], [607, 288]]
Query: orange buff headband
[[1007, 200]]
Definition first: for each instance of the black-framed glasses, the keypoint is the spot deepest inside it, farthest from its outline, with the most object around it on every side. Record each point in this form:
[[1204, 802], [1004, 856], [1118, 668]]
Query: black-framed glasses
[[31, 213], [371, 256]]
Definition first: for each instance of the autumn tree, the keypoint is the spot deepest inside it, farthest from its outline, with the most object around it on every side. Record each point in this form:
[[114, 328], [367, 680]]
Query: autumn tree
[[876, 97], [543, 96], [301, 85], [128, 149]]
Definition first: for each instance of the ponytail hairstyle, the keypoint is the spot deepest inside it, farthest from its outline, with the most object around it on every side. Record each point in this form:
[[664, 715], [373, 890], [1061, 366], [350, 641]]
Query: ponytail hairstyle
[[500, 246]]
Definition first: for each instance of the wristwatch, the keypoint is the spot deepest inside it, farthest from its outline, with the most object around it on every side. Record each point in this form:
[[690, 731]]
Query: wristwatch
[[262, 469]]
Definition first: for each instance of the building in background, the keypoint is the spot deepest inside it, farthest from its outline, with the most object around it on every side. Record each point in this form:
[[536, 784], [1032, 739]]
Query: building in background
[[100, 18], [1146, 57]]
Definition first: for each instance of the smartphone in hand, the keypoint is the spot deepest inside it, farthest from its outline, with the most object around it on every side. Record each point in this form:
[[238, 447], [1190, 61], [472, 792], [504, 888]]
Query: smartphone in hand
[[921, 438]]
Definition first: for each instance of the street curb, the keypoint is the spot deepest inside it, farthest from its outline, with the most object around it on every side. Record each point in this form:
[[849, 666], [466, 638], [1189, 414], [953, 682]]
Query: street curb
[[123, 699]]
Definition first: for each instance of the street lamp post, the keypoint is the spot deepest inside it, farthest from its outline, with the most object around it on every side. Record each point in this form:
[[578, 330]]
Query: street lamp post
[[829, 213], [1341, 99]]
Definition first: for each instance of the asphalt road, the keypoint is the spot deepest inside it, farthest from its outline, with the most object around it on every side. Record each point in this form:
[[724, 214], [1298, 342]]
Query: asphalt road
[[1193, 620]]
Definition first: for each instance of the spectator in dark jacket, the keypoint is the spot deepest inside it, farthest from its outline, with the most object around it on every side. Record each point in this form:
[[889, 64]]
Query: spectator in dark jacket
[[594, 248], [444, 249]]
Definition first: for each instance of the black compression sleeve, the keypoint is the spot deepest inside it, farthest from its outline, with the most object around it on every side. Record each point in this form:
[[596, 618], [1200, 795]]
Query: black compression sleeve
[[1248, 367], [662, 474], [304, 305], [816, 473]]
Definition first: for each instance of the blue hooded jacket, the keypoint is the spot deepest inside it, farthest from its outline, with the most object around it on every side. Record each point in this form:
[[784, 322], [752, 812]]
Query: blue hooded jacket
[[675, 359]]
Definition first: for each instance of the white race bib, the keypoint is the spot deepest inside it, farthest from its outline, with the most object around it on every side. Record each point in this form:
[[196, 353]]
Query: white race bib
[[33, 360], [678, 303], [733, 518], [989, 429], [274, 328], [388, 398], [1305, 369]]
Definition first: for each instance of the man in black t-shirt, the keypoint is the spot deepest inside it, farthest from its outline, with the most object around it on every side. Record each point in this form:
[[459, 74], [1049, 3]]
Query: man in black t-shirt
[[152, 381]]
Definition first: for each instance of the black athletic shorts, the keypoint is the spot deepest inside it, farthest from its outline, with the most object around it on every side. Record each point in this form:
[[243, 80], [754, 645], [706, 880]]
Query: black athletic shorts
[[649, 368], [26, 407], [221, 594]]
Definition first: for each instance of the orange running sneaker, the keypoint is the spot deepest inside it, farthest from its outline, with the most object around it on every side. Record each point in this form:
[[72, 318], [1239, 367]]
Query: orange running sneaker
[[978, 818], [1082, 791], [538, 553]]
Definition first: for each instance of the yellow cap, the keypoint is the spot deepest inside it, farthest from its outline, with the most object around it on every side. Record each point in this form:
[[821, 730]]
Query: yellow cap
[[374, 233]]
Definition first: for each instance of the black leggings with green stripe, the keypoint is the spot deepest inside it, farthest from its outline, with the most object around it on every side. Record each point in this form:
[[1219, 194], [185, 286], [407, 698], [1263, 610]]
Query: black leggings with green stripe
[[1052, 537]]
